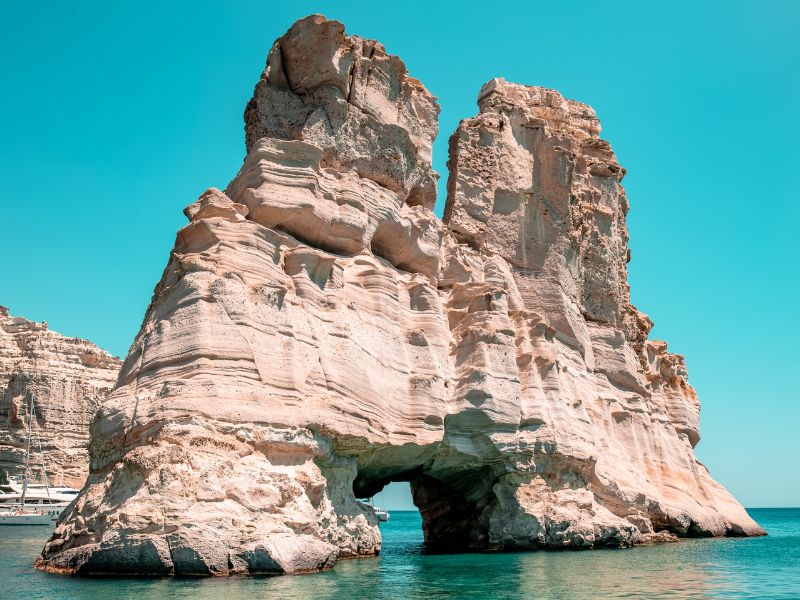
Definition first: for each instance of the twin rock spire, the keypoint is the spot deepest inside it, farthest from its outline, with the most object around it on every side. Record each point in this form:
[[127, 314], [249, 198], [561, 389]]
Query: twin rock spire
[[318, 332]]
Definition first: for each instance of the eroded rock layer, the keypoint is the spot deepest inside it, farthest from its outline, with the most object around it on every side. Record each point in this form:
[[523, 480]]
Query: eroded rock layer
[[67, 378], [319, 332]]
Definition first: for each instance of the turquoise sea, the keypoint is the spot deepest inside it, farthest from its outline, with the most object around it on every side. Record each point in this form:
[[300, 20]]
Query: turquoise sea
[[766, 567]]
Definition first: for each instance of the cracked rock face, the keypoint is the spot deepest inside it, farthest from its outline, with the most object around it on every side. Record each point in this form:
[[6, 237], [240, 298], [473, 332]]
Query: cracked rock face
[[353, 101], [67, 378], [318, 332]]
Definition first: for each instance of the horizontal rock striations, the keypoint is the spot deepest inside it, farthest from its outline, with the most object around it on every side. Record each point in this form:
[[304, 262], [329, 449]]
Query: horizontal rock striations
[[67, 378], [353, 101], [318, 333]]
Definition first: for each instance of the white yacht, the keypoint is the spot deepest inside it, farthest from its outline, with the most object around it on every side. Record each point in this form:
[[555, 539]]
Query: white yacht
[[39, 504], [23, 502], [37, 495], [36, 505]]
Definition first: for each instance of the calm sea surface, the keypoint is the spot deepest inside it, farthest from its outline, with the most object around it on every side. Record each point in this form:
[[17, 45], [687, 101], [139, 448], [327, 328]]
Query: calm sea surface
[[722, 568]]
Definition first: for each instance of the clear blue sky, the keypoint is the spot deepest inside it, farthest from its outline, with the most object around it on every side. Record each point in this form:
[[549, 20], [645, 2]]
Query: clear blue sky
[[115, 115]]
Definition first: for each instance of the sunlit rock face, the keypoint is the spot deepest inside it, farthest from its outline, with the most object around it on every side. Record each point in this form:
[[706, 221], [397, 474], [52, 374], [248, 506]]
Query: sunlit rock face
[[352, 100], [605, 415], [67, 378], [318, 332]]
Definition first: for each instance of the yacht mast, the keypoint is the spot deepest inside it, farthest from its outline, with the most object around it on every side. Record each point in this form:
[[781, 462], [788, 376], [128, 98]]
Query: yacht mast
[[44, 466], [27, 452]]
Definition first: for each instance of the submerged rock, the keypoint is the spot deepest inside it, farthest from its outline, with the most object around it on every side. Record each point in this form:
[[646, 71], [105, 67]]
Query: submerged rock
[[67, 378], [318, 332]]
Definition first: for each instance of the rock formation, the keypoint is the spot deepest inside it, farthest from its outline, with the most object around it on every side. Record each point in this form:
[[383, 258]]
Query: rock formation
[[67, 378], [318, 332]]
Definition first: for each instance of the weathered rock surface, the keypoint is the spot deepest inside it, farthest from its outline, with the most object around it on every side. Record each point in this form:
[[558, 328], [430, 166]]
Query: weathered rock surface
[[67, 377], [318, 332], [355, 102]]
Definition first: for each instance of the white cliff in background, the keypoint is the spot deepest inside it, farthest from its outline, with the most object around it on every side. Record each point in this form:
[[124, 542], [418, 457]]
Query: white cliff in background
[[67, 379]]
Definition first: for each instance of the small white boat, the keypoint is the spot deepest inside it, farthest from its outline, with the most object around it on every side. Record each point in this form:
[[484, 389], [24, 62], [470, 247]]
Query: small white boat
[[380, 514]]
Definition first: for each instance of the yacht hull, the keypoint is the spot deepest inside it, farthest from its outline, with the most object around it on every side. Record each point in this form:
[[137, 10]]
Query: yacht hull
[[27, 519]]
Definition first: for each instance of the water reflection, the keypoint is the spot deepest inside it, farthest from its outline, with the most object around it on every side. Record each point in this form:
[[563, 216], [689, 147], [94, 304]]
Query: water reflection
[[756, 568]]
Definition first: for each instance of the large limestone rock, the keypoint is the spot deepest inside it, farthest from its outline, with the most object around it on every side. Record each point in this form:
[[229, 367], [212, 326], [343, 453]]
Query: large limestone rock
[[67, 378], [318, 333]]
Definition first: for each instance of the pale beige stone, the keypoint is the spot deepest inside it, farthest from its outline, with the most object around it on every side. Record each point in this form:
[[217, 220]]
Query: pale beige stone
[[67, 378], [318, 332], [354, 101]]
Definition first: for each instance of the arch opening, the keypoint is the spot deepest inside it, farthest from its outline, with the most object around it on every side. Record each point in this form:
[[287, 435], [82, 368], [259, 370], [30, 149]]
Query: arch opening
[[452, 507]]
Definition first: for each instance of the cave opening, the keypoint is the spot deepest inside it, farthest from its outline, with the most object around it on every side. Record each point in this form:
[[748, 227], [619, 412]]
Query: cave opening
[[449, 508]]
